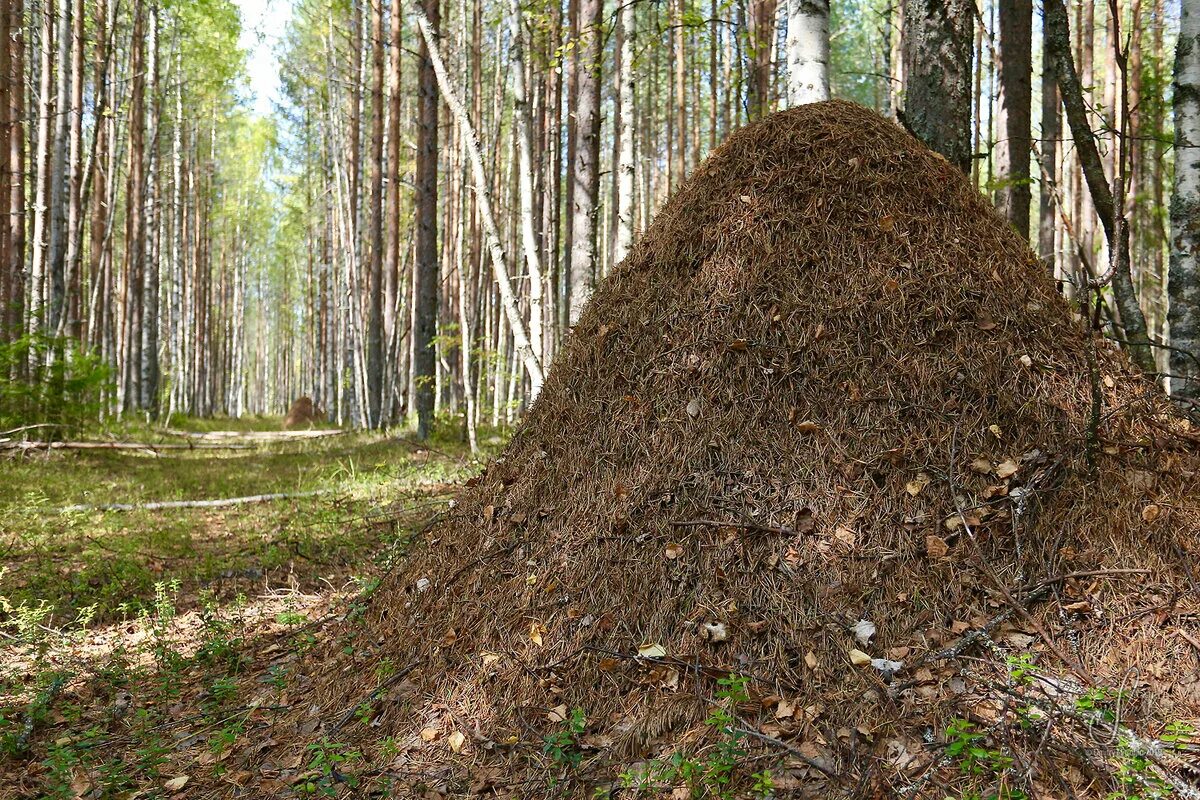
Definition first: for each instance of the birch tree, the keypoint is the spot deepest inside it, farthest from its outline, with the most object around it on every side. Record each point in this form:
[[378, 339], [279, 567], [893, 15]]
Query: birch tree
[[937, 62], [807, 51], [1184, 278]]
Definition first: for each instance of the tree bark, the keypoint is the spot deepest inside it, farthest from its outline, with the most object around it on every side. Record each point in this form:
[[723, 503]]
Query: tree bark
[[1183, 314], [426, 271], [375, 232], [1013, 194], [1115, 228], [585, 171], [625, 164], [483, 194], [529, 242], [937, 62], [761, 43], [1047, 218], [808, 51]]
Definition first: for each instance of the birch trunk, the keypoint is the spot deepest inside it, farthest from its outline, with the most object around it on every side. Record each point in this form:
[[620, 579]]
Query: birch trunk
[[529, 242], [937, 64], [483, 195], [807, 51], [625, 162], [1183, 314]]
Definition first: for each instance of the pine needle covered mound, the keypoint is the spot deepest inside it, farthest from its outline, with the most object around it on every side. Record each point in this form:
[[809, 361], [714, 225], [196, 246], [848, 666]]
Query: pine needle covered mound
[[830, 430]]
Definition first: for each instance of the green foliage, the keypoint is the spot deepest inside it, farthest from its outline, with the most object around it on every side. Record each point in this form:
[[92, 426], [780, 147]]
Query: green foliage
[[327, 760], [562, 746], [56, 382]]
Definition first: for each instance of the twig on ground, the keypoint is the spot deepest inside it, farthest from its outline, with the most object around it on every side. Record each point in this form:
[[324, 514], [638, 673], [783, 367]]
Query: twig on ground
[[218, 503]]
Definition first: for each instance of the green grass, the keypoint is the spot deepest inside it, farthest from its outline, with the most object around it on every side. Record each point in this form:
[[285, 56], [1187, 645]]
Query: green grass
[[112, 560]]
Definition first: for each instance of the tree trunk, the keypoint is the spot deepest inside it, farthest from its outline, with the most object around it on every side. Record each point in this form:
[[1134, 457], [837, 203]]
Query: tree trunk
[[391, 267], [585, 172], [937, 63], [375, 232], [529, 242], [58, 167], [1013, 193], [1115, 228], [39, 295], [483, 194], [808, 51], [1183, 280], [425, 273], [135, 241], [761, 44], [1047, 219], [625, 164]]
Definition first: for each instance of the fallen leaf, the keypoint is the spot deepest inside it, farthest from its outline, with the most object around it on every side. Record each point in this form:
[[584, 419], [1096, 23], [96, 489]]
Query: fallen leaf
[[858, 658], [982, 466], [535, 633], [995, 431], [1006, 468], [674, 550], [693, 407], [428, 734], [810, 660], [917, 484], [935, 546], [785, 710], [176, 783], [808, 426], [558, 713], [887, 223], [456, 741], [652, 651], [715, 631], [1151, 512]]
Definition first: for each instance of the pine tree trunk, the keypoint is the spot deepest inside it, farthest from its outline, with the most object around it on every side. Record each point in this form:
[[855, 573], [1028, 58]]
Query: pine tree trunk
[[425, 274], [761, 45], [58, 168], [807, 51], [1183, 280], [135, 240], [1013, 194], [937, 62], [375, 242]]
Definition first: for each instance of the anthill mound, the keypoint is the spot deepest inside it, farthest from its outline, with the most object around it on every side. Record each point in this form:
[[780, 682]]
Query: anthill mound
[[829, 387]]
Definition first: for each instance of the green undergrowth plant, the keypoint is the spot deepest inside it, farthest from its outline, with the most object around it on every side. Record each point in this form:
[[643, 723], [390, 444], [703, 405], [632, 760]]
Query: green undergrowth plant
[[711, 771]]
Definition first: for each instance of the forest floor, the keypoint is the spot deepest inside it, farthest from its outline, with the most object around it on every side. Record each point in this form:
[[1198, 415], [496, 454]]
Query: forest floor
[[89, 595]]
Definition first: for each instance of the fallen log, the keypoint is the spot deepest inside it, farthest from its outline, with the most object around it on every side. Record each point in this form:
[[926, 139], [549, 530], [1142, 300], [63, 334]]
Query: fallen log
[[144, 446], [167, 504]]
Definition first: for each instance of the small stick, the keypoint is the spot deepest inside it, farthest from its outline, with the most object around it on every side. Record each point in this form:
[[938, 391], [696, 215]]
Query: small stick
[[716, 523]]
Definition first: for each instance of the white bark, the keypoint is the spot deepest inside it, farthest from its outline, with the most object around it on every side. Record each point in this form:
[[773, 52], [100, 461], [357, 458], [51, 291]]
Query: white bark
[[529, 241], [1183, 284], [625, 163], [807, 51], [532, 363]]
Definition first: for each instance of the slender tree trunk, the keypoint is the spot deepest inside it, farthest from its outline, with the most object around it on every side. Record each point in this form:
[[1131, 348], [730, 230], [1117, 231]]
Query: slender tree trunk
[[1115, 228], [16, 166], [7, 282], [1013, 194], [482, 192], [761, 45], [625, 125], [375, 233], [39, 295], [425, 274], [135, 234], [525, 167], [148, 382], [807, 51], [1183, 280], [1047, 218], [585, 172], [58, 167], [76, 167], [392, 261], [937, 62]]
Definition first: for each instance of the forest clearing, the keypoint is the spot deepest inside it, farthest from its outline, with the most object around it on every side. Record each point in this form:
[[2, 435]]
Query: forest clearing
[[580, 399]]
